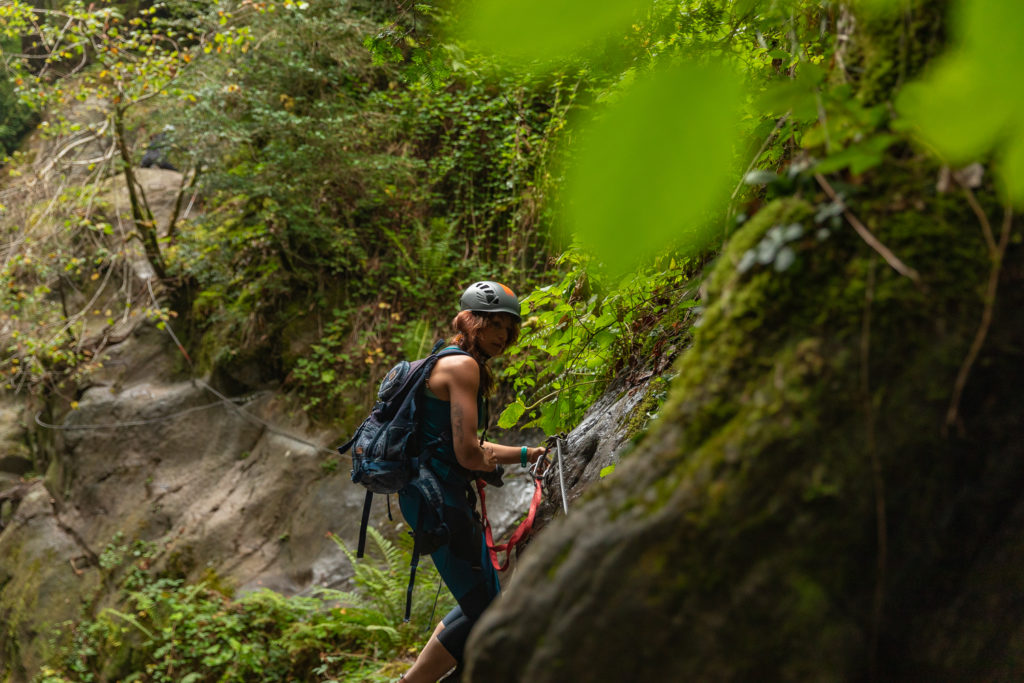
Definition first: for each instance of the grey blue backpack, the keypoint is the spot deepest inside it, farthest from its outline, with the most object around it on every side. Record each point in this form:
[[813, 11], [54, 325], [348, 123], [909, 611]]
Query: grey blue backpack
[[385, 449]]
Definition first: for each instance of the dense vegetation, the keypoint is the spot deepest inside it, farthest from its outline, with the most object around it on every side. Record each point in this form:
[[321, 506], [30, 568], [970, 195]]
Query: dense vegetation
[[162, 629], [346, 165]]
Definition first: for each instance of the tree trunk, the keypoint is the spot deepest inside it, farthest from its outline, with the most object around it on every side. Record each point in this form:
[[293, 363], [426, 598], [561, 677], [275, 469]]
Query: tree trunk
[[141, 214]]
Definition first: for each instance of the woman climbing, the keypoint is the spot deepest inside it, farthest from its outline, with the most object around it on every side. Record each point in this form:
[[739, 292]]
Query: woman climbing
[[451, 412]]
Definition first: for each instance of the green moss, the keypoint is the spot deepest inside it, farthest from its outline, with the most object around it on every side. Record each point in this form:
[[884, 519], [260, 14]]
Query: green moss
[[887, 54], [766, 448], [217, 583], [638, 419]]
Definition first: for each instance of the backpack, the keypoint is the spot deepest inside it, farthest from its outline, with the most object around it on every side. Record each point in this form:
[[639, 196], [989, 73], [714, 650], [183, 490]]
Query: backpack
[[386, 453]]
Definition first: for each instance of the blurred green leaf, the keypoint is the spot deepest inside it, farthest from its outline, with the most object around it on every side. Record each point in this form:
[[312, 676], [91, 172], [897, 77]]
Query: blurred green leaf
[[859, 157], [945, 108], [546, 29], [971, 103], [799, 96], [652, 167]]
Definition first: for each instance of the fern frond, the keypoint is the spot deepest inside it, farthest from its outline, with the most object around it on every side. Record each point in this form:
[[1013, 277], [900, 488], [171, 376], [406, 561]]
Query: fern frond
[[392, 555]]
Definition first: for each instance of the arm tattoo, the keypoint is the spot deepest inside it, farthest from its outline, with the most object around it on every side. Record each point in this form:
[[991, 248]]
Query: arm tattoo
[[457, 418]]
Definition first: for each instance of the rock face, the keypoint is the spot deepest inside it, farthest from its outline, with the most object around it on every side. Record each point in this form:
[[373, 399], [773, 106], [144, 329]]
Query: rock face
[[598, 442], [240, 489], [41, 575], [801, 512], [205, 479]]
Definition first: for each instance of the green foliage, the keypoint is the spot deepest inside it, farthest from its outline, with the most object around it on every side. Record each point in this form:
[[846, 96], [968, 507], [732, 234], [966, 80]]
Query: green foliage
[[546, 29], [589, 329], [163, 629], [355, 210], [653, 164], [15, 118], [383, 584], [969, 104], [60, 289]]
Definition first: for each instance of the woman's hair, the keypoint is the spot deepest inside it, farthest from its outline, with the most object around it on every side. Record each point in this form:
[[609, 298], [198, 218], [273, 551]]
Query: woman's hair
[[467, 326]]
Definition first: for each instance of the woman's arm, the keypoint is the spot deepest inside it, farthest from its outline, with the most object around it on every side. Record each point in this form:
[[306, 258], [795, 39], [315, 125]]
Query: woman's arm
[[511, 455]]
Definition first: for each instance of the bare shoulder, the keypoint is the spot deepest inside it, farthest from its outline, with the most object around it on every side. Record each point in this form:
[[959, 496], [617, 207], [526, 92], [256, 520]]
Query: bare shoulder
[[458, 364], [459, 369]]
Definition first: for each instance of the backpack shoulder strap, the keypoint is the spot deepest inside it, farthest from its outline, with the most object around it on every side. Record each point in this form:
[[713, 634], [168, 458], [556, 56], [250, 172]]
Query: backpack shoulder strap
[[452, 351]]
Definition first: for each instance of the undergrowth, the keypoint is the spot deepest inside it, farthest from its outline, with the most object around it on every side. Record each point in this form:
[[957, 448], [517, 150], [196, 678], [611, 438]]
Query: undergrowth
[[162, 628]]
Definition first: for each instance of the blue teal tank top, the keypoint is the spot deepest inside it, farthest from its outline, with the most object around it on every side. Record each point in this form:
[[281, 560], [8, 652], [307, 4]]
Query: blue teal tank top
[[435, 425]]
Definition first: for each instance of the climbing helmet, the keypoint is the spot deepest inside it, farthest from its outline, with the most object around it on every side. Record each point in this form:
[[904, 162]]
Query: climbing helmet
[[490, 297]]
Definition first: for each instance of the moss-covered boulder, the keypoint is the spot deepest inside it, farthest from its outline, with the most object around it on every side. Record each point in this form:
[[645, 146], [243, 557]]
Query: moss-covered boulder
[[802, 511]]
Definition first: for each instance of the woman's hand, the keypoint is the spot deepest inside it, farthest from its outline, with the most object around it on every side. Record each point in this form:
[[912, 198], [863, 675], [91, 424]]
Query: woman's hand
[[490, 459], [534, 454]]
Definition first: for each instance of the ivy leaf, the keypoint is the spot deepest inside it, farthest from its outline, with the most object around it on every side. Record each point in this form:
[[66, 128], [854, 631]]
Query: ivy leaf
[[654, 165], [550, 417], [510, 416], [546, 30]]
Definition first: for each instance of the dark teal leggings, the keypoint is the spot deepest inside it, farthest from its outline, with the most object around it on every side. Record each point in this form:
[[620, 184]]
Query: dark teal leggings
[[463, 562]]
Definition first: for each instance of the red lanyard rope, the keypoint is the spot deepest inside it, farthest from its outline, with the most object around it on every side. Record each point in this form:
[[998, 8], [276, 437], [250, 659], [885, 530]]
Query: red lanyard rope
[[521, 532]]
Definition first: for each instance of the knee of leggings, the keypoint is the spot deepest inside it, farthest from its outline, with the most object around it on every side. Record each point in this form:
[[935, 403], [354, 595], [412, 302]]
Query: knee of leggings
[[455, 635]]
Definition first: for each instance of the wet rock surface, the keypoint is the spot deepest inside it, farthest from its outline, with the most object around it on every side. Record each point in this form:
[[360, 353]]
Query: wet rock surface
[[598, 442]]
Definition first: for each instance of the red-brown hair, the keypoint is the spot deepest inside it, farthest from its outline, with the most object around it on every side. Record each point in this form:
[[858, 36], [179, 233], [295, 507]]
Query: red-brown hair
[[467, 326]]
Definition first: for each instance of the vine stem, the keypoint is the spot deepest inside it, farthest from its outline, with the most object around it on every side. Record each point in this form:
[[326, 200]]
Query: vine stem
[[986, 226], [556, 392], [867, 235], [996, 253], [764, 145]]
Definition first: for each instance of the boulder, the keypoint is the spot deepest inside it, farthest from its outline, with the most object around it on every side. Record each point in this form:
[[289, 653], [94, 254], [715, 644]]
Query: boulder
[[802, 510]]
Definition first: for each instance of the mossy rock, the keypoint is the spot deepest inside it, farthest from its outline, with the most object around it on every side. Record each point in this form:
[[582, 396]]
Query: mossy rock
[[740, 540]]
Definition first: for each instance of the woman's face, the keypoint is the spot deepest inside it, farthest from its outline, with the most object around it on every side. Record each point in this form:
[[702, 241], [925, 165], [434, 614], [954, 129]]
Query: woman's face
[[496, 333]]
